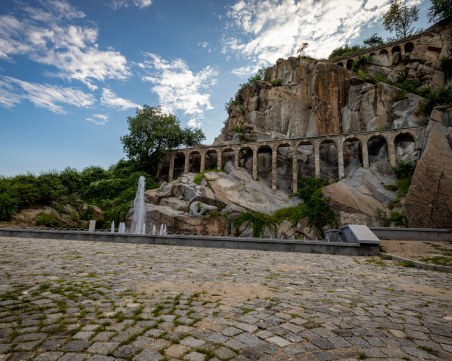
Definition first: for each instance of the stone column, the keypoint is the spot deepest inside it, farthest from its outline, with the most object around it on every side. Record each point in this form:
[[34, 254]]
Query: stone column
[[236, 157], [255, 164], [202, 154], [187, 162], [219, 159], [392, 152], [340, 157], [294, 169], [274, 175], [317, 159], [171, 167], [365, 153]]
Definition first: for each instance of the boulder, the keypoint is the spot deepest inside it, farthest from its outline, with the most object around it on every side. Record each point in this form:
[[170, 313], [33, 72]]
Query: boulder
[[198, 208], [429, 199]]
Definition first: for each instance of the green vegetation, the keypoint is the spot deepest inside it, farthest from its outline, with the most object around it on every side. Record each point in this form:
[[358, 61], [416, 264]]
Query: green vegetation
[[399, 18], [73, 193], [427, 349], [257, 220], [152, 132], [440, 9], [439, 260], [315, 207], [198, 178], [344, 51], [277, 82], [361, 62]]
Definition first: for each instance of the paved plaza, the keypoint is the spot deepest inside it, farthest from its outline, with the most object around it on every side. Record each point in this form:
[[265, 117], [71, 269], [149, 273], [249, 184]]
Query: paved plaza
[[72, 300]]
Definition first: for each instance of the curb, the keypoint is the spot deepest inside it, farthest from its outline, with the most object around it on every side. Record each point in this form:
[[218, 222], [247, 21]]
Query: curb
[[417, 264]]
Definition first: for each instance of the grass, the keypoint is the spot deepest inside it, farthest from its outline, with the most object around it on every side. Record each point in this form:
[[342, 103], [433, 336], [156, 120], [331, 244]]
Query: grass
[[438, 260], [406, 264], [362, 356], [375, 261]]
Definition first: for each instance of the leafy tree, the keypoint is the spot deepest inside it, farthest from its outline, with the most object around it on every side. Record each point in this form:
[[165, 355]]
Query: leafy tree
[[373, 41], [399, 18], [152, 132], [257, 220], [440, 9]]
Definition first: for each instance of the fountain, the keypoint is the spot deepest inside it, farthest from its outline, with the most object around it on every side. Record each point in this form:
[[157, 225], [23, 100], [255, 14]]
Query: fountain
[[138, 226], [122, 227], [112, 226]]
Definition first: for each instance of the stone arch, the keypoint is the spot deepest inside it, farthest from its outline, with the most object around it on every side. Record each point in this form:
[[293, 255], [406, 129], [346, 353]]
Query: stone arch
[[349, 64], [306, 160], [264, 163], [246, 158], [194, 161], [179, 164], [408, 47], [227, 157], [383, 57], [377, 148], [341, 64], [353, 154], [328, 153], [396, 54], [284, 160], [405, 147], [211, 159]]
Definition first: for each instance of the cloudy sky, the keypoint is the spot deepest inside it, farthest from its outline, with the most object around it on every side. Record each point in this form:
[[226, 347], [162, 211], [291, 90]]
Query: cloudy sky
[[72, 71]]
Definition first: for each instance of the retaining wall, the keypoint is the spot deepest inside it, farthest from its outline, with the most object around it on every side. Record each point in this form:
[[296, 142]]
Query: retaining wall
[[346, 249], [413, 234]]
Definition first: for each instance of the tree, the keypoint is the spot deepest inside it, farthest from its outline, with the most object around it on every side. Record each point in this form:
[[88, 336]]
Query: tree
[[440, 9], [399, 18], [373, 41], [152, 132], [302, 48]]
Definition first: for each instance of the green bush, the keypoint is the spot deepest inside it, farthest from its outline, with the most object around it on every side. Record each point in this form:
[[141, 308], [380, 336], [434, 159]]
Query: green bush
[[404, 169], [277, 82], [257, 220], [361, 62], [8, 206], [344, 51], [398, 219], [198, 178], [47, 220]]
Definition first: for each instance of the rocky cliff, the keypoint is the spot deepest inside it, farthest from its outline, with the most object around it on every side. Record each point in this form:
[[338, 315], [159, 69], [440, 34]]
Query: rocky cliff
[[302, 97]]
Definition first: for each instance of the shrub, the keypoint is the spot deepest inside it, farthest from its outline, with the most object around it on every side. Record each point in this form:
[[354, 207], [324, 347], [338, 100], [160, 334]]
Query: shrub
[[47, 220], [362, 61], [344, 51], [277, 82], [8, 206], [446, 67], [257, 220], [404, 169], [198, 178], [398, 219]]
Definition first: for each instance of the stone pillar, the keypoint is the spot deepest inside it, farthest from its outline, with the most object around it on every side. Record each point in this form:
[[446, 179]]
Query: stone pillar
[[365, 153], [392, 152], [203, 161], [317, 159], [294, 169], [255, 164], [340, 157], [187, 163], [219, 159], [274, 175], [171, 167], [236, 157]]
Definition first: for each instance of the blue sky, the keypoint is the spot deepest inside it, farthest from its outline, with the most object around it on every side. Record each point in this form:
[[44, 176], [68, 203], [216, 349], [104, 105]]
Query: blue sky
[[72, 71]]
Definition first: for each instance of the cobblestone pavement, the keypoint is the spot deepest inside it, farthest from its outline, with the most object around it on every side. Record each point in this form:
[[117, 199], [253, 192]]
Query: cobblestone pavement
[[70, 300]]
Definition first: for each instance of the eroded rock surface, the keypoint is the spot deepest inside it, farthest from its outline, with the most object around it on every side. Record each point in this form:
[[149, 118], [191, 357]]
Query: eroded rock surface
[[429, 199]]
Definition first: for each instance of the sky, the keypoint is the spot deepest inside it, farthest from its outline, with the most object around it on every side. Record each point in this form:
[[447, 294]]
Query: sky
[[73, 71]]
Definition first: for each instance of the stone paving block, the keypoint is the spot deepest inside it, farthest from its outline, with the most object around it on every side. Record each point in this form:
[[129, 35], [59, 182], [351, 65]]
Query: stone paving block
[[48, 356], [148, 355], [84, 335], [76, 346], [192, 342], [248, 339], [103, 348], [176, 351], [101, 358], [195, 356], [126, 351], [281, 342]]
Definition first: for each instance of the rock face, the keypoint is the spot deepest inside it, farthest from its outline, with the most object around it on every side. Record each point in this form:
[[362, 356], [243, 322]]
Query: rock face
[[429, 199], [208, 208], [302, 97]]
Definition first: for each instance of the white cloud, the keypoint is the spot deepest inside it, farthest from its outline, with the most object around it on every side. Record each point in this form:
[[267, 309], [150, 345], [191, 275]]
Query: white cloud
[[110, 99], [194, 123], [117, 4], [47, 35], [98, 119], [13, 91], [266, 30], [178, 87]]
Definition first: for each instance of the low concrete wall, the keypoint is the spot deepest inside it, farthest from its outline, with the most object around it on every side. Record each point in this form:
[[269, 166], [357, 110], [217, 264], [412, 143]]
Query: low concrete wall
[[413, 234], [346, 249]]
